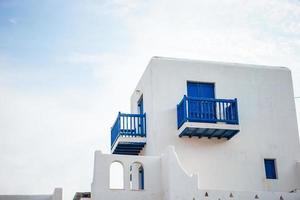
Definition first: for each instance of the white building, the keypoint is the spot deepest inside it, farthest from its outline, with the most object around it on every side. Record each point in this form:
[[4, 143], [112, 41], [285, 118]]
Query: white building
[[205, 130]]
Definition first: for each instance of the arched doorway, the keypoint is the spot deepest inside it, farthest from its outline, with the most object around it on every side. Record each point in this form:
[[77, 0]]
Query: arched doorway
[[116, 175]]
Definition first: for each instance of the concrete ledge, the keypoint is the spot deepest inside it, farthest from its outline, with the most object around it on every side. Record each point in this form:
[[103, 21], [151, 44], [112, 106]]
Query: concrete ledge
[[128, 140], [199, 129]]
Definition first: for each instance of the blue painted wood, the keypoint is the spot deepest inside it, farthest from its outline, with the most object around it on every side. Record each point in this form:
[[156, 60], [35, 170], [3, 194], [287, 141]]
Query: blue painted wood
[[141, 105], [129, 125], [141, 111], [199, 90], [141, 178], [209, 110], [198, 109], [129, 148], [270, 169], [208, 132], [181, 112]]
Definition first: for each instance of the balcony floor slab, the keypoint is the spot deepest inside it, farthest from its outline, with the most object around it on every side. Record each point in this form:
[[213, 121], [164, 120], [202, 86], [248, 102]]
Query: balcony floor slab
[[210, 130], [128, 145]]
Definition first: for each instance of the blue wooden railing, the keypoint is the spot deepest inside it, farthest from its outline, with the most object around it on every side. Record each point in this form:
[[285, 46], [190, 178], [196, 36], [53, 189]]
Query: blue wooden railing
[[129, 125], [207, 110]]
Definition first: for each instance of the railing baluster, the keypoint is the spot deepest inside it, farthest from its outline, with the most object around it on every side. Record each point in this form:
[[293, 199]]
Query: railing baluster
[[131, 128], [210, 110], [207, 110], [222, 113], [134, 127], [144, 119], [128, 125], [122, 124], [231, 111], [185, 108], [219, 111], [226, 111]]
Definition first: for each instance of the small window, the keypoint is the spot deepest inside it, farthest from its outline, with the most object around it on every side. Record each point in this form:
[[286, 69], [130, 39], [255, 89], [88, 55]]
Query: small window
[[140, 105], [270, 168]]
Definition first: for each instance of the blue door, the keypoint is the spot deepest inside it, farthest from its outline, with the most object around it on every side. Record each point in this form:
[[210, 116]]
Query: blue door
[[141, 178], [201, 90], [199, 108]]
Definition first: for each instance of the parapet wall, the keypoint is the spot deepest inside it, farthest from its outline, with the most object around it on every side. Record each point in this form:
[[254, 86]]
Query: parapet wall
[[56, 195], [152, 177], [165, 179]]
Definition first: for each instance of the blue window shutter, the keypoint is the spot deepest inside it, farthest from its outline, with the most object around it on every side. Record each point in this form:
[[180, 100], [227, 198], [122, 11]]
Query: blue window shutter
[[200, 110], [141, 106], [200, 90], [141, 178], [270, 169]]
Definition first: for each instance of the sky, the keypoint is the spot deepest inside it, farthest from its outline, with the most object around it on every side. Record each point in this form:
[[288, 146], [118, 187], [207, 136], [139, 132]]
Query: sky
[[67, 68]]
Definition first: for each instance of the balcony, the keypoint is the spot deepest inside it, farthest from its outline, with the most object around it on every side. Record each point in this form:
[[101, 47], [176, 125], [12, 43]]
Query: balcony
[[207, 117], [128, 134]]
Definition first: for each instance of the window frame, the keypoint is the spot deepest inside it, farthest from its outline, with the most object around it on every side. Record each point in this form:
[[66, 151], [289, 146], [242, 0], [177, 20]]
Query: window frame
[[274, 167]]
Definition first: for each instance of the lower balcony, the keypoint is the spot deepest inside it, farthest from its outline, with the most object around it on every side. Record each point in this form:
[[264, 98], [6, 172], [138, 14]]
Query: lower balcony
[[128, 134], [207, 117]]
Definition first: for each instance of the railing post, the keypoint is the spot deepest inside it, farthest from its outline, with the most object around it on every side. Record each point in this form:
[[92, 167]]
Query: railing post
[[236, 111], [111, 137], [185, 114], [119, 122], [145, 131], [177, 109]]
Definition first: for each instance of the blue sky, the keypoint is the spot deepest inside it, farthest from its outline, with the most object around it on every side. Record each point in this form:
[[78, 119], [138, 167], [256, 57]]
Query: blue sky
[[67, 68], [36, 36]]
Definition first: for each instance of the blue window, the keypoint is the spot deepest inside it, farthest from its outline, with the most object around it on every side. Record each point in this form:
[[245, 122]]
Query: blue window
[[270, 168], [200, 90], [140, 105]]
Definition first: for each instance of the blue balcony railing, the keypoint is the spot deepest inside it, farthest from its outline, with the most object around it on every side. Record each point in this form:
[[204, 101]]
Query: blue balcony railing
[[207, 110], [129, 125]]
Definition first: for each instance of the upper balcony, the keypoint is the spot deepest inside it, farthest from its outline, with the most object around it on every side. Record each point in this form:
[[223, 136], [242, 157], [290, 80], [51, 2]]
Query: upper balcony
[[207, 117], [128, 134]]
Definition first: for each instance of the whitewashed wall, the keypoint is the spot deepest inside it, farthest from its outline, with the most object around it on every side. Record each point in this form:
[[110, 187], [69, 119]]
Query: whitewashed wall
[[56, 195], [152, 179], [165, 179], [268, 126]]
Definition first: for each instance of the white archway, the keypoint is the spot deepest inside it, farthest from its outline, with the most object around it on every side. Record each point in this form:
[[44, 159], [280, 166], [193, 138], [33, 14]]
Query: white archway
[[116, 175]]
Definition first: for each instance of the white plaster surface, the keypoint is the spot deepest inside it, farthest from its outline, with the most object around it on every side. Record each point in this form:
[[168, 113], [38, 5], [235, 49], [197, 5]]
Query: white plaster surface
[[211, 169], [56, 195], [152, 183], [268, 126], [165, 179]]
